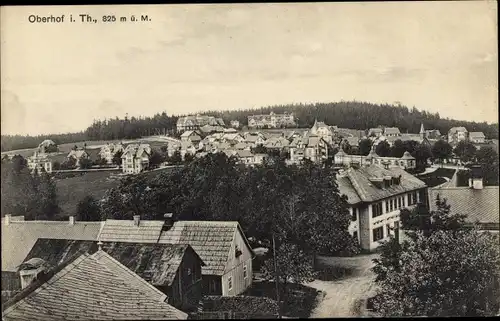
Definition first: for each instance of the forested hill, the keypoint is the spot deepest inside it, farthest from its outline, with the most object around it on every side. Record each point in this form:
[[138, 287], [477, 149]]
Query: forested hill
[[363, 115], [356, 115]]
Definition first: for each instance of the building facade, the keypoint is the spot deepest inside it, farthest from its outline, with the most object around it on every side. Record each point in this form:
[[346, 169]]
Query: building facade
[[457, 134], [376, 195], [135, 158], [405, 162], [272, 120], [39, 162]]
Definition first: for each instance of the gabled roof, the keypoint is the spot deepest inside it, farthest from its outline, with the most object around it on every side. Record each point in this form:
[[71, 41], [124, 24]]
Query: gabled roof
[[391, 130], [454, 130], [156, 263], [19, 237], [360, 180], [212, 240], [477, 204], [78, 153], [92, 287], [476, 135]]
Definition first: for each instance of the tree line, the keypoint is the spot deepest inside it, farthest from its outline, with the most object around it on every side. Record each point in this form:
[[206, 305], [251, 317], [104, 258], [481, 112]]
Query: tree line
[[345, 114]]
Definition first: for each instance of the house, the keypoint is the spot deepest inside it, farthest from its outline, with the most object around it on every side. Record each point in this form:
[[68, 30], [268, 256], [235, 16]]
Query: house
[[47, 146], [308, 146], [254, 138], [391, 132], [109, 151], [235, 124], [87, 287], [245, 156], [174, 269], [405, 162], [221, 245], [480, 203], [375, 132], [39, 162], [190, 136], [195, 122], [78, 155], [322, 130], [477, 137], [135, 158], [172, 148], [231, 136], [19, 236], [375, 195], [188, 148], [272, 120], [456, 134]]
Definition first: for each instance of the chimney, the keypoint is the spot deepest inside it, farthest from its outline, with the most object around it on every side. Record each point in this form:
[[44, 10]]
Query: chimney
[[137, 219], [30, 270], [386, 165], [355, 164], [71, 220], [7, 219], [169, 221]]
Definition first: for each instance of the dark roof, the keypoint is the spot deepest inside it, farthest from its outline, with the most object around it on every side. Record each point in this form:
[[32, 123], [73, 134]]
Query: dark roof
[[361, 182], [156, 263], [212, 240], [19, 237], [478, 204], [91, 287], [250, 305]]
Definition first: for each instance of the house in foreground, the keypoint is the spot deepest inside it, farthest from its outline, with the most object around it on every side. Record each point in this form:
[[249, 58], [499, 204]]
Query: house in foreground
[[87, 287], [174, 269], [480, 203], [376, 195], [221, 245]]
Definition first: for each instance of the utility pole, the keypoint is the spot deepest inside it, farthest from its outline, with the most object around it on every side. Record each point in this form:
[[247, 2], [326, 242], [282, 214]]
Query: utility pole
[[276, 278]]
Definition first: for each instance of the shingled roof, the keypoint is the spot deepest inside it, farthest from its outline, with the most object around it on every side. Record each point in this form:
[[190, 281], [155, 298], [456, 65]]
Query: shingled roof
[[212, 240], [91, 287], [19, 237], [479, 205], [359, 180], [127, 231], [156, 263]]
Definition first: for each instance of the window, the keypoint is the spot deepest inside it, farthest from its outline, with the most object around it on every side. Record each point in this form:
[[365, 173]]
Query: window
[[378, 233], [399, 202], [230, 283], [355, 235], [387, 205], [245, 274], [377, 209], [412, 198], [354, 215]]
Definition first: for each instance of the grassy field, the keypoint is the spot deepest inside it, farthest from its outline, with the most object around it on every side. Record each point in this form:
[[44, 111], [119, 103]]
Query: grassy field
[[71, 190]]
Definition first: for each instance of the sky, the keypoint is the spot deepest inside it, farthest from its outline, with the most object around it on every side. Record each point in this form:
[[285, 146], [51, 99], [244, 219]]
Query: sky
[[59, 77]]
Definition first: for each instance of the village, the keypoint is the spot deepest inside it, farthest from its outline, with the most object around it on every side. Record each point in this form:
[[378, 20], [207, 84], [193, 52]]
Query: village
[[207, 269]]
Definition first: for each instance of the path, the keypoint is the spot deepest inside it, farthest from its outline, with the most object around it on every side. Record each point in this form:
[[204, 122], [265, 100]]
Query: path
[[342, 295]]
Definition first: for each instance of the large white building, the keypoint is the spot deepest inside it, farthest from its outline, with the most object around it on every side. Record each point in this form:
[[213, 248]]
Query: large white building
[[135, 158], [40, 162], [271, 121], [376, 196], [405, 162]]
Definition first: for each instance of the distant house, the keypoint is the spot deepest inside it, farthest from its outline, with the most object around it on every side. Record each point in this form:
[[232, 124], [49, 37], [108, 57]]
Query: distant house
[[322, 130], [272, 120], [457, 134], [477, 137], [309, 146], [480, 203], [235, 124], [405, 162], [39, 162], [47, 146], [135, 158], [190, 136], [87, 287], [174, 269], [109, 151], [188, 148], [375, 132], [221, 245], [231, 136], [375, 195], [195, 122], [391, 132], [78, 155]]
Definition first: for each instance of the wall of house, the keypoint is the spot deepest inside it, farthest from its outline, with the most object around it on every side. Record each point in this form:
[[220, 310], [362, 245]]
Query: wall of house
[[354, 225], [388, 220], [235, 268]]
